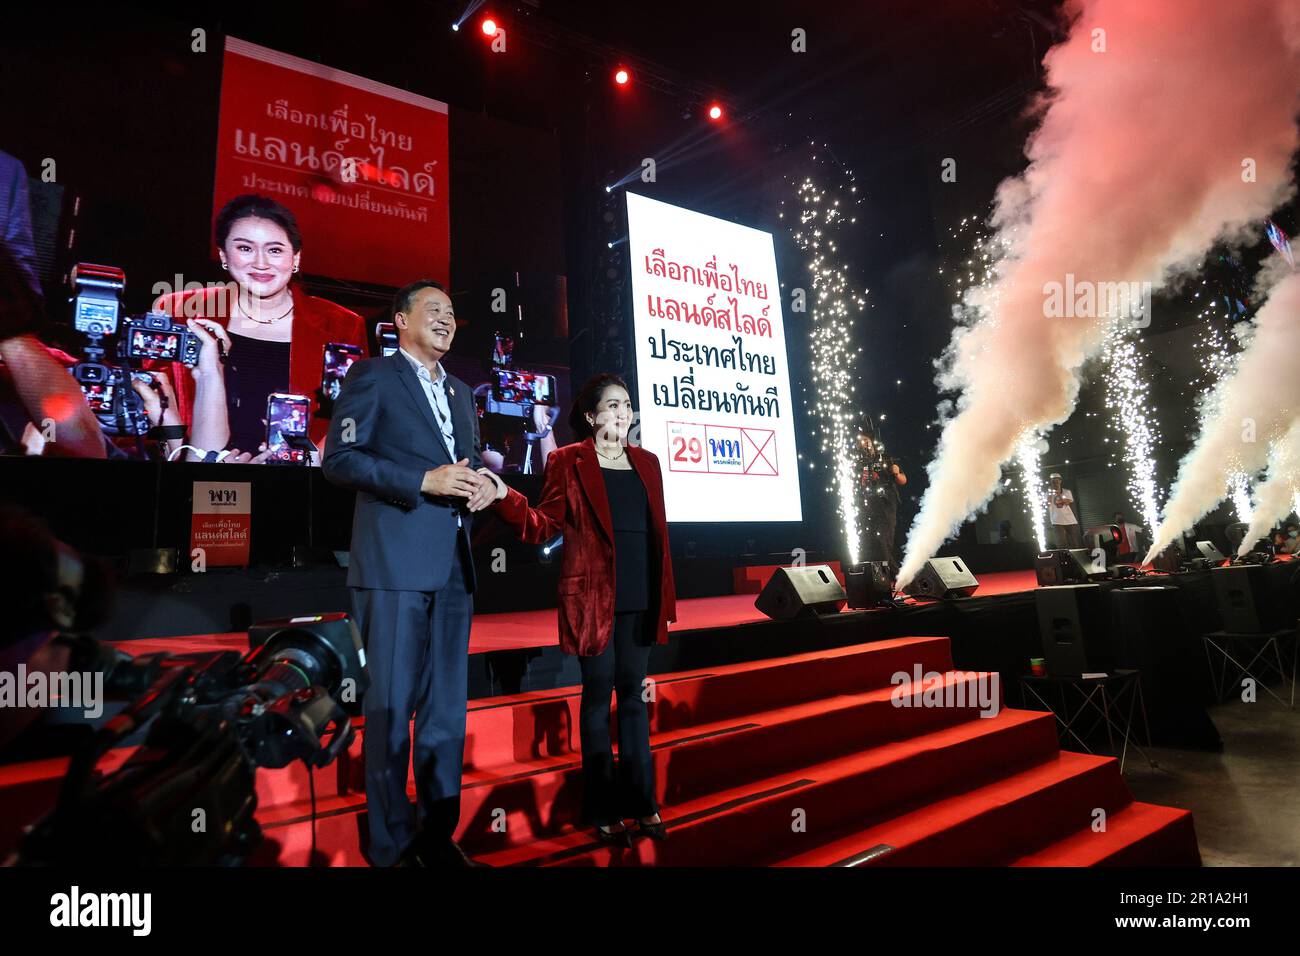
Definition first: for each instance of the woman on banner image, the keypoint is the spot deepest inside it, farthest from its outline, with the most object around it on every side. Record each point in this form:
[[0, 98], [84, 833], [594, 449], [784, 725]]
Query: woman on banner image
[[616, 594], [277, 332]]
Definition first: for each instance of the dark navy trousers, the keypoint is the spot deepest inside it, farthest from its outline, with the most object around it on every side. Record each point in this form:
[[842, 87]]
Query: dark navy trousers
[[417, 649]]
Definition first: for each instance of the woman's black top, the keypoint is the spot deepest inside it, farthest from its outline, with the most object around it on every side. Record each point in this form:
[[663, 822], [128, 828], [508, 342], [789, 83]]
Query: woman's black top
[[256, 368], [630, 510]]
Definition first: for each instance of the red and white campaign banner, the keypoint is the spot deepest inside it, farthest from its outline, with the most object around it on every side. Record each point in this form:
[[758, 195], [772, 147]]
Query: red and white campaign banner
[[712, 373], [363, 166], [222, 523]]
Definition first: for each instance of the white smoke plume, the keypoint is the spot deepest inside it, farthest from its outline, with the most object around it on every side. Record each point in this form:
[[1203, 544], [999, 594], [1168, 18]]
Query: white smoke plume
[[1275, 497], [1255, 409], [1168, 125]]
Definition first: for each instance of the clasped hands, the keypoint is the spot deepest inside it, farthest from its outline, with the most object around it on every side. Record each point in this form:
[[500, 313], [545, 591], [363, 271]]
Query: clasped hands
[[481, 487]]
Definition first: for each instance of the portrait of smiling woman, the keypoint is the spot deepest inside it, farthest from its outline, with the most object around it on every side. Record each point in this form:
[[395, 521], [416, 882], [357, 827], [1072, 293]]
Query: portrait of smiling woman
[[277, 333]]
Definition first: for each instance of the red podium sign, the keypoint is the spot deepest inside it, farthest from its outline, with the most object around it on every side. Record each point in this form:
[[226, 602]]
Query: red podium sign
[[221, 524]]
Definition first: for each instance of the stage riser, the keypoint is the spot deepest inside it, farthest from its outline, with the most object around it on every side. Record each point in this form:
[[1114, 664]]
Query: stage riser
[[497, 736], [761, 832], [1138, 835], [745, 834], [696, 768]]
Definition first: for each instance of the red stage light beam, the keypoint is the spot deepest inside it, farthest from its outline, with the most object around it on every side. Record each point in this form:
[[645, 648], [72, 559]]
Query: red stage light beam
[[489, 27], [621, 76], [715, 112]]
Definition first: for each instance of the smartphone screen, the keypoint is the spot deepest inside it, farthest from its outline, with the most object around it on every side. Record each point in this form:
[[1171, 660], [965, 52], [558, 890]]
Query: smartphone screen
[[334, 367], [503, 350], [286, 418], [516, 386], [386, 337]]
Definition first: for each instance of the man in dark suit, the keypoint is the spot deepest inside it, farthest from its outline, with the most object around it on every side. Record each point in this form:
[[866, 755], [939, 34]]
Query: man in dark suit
[[405, 437]]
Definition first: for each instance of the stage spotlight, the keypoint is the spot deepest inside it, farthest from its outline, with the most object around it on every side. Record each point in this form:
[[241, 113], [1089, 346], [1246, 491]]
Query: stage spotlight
[[465, 15], [621, 76], [489, 27], [715, 112]]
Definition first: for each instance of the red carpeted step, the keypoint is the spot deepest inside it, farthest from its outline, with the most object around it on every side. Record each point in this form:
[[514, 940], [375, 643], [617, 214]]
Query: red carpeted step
[[733, 826], [521, 802], [528, 726], [981, 825], [519, 734], [700, 760], [1141, 834]]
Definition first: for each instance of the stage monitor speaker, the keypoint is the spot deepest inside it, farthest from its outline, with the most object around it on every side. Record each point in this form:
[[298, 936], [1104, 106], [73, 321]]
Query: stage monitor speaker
[[1066, 566], [1153, 634], [1074, 627], [869, 584], [1209, 552], [801, 592], [1245, 604], [943, 578]]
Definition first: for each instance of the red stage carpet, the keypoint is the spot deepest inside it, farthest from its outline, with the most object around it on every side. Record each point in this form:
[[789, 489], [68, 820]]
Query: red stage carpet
[[795, 761], [524, 629]]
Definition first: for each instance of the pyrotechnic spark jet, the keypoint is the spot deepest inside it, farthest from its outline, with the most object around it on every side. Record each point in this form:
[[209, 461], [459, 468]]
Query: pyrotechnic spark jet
[[1239, 485], [1128, 398], [822, 217], [1027, 457], [1219, 349]]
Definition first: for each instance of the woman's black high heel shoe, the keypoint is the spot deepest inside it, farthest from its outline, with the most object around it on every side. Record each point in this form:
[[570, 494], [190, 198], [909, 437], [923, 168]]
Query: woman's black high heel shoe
[[655, 831], [621, 837]]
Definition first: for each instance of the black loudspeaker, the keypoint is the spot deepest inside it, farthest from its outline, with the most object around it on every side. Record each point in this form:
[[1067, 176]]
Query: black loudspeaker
[[1154, 635], [943, 578], [870, 584], [1245, 605], [1074, 626], [1066, 566], [801, 592], [1209, 552]]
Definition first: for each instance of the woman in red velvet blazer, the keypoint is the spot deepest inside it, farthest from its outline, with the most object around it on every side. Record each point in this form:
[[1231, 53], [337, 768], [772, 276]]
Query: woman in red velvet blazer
[[616, 594], [278, 330]]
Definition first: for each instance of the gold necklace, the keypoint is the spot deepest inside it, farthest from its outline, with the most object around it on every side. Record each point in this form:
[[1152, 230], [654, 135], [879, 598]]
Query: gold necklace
[[267, 321]]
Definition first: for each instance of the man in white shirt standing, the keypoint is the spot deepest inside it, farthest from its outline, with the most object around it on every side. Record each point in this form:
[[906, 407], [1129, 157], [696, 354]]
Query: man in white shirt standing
[[1065, 526]]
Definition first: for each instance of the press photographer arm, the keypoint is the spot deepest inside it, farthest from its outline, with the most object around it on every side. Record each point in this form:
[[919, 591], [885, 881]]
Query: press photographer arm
[[52, 399]]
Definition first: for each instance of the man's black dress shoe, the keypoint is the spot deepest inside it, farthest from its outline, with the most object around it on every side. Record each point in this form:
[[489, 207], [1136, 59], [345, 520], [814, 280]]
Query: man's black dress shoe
[[437, 853]]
